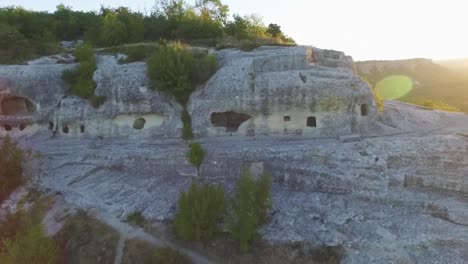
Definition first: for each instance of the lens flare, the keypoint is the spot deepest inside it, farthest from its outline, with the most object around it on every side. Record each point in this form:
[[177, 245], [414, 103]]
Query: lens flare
[[394, 87]]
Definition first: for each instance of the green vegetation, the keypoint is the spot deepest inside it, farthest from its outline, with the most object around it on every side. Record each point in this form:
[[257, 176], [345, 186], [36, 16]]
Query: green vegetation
[[137, 251], [378, 100], [200, 210], [11, 167], [134, 52], [81, 78], [23, 240], [419, 81], [30, 245], [84, 239], [433, 104], [249, 207], [195, 155], [176, 71], [137, 219], [27, 33]]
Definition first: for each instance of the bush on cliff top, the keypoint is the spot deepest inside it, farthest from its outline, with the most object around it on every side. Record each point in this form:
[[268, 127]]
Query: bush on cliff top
[[81, 78]]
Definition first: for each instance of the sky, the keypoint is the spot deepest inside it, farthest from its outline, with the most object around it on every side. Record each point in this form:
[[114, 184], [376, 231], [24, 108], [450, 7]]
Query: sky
[[364, 29]]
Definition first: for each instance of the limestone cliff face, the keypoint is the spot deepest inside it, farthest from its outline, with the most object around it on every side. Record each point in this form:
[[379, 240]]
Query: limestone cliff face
[[281, 91], [130, 108], [270, 91]]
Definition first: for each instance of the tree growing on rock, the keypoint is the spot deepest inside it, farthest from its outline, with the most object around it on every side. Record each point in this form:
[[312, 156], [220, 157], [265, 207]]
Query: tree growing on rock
[[200, 210], [195, 155], [249, 208]]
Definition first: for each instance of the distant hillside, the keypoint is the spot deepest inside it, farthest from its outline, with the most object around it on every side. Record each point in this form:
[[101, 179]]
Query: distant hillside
[[460, 65], [444, 83]]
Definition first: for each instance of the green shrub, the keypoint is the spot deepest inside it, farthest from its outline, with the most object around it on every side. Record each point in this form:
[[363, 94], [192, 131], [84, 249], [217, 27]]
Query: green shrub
[[187, 133], [199, 211], [176, 71], [31, 245], [378, 100], [195, 155], [11, 167], [139, 52], [84, 239], [14, 47], [81, 78], [248, 209], [142, 252], [136, 218], [22, 238], [168, 255]]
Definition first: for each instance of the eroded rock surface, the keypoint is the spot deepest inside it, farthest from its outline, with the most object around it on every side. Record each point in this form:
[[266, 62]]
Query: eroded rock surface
[[391, 187]]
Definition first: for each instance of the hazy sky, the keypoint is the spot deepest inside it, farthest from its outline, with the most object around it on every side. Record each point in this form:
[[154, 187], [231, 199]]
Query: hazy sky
[[364, 29]]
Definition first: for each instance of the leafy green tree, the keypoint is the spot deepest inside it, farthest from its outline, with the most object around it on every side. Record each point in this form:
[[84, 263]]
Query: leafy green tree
[[200, 210], [14, 47], [195, 155], [242, 221], [274, 30], [113, 31], [249, 208]]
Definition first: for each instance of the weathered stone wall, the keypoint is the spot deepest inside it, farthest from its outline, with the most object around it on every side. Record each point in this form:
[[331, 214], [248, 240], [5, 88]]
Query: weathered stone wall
[[280, 89]]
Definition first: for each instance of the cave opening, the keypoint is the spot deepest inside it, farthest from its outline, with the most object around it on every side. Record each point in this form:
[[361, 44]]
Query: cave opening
[[65, 129], [230, 120], [82, 129], [311, 121], [364, 109], [16, 105], [139, 123]]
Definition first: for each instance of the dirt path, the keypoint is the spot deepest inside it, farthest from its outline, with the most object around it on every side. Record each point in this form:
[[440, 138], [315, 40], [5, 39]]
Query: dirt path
[[127, 231]]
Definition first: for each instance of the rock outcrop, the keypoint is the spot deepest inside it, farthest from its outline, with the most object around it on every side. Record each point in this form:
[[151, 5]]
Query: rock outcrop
[[282, 91], [128, 102], [394, 192]]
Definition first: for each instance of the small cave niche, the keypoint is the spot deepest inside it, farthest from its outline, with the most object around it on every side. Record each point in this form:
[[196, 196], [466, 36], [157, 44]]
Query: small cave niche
[[16, 106], [311, 121], [7, 127], [51, 125], [286, 118], [364, 109], [230, 120], [22, 127], [139, 123], [65, 129], [82, 129]]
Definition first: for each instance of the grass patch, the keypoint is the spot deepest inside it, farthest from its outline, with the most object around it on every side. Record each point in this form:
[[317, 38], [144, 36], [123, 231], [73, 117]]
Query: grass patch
[[136, 52], [137, 251], [84, 239], [434, 104]]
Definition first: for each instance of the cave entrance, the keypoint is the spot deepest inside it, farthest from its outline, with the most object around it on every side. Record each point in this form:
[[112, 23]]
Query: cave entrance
[[364, 109], [16, 106], [311, 121], [139, 123], [230, 120]]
